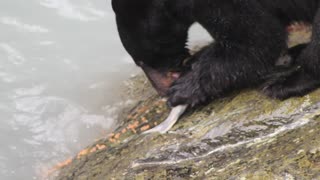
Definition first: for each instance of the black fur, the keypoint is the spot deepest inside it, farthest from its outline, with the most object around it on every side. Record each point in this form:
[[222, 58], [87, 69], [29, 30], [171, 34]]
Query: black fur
[[250, 35]]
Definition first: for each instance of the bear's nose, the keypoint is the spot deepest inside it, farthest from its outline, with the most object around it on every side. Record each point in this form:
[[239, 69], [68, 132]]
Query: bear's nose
[[161, 80]]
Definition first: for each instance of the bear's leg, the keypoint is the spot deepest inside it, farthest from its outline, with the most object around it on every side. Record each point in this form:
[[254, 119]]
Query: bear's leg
[[307, 77], [248, 41]]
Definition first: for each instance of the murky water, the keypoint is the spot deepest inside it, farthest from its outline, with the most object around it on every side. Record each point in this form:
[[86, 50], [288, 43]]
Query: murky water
[[61, 66]]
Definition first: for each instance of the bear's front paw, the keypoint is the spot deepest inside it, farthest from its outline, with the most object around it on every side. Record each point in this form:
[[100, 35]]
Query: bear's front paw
[[186, 91]]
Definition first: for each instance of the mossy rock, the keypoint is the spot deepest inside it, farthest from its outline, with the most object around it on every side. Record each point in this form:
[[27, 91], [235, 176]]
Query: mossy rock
[[243, 136]]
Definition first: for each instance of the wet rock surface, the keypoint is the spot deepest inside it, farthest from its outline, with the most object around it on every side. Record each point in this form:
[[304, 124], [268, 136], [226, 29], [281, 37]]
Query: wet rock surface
[[243, 136]]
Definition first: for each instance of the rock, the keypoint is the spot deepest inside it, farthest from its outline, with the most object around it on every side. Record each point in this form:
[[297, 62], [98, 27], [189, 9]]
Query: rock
[[243, 136]]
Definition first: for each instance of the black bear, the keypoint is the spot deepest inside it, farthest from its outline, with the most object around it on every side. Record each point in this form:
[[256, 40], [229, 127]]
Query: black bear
[[250, 35]]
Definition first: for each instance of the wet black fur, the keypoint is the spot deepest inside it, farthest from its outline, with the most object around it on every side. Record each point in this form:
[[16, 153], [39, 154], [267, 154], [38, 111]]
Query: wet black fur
[[250, 35]]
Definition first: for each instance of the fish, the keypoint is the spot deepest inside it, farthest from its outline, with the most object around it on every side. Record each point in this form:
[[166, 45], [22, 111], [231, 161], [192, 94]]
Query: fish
[[170, 121]]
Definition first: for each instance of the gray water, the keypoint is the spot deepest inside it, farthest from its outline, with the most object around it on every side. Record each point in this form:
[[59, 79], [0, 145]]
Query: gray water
[[61, 67]]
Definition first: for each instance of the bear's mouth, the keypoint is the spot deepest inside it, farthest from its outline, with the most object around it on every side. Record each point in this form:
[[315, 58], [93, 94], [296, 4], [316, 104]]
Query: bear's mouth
[[161, 80]]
